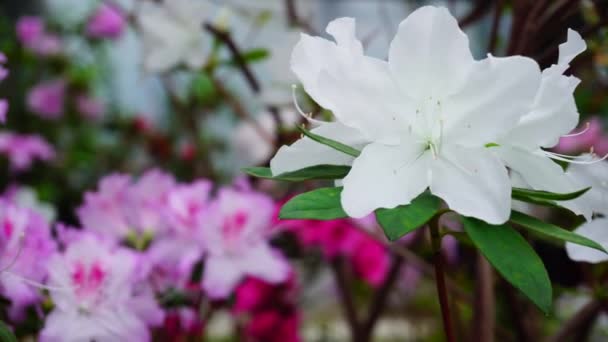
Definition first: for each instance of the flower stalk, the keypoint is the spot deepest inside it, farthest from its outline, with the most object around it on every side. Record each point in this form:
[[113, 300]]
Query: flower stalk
[[440, 279]]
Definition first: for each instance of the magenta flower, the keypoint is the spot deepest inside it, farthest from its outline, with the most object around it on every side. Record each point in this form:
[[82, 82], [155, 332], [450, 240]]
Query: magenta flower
[[371, 262], [98, 295], [106, 22], [23, 150], [237, 225], [47, 99], [25, 246], [582, 139], [273, 326], [32, 33]]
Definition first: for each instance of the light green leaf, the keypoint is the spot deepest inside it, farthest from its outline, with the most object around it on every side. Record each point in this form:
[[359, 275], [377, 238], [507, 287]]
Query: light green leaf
[[403, 219], [514, 259], [313, 172], [545, 195], [547, 229], [319, 204], [331, 143]]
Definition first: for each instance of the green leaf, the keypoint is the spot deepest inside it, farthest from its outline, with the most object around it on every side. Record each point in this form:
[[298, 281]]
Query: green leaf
[[403, 219], [313, 172], [514, 258], [547, 229], [319, 204], [545, 195], [331, 143], [6, 335]]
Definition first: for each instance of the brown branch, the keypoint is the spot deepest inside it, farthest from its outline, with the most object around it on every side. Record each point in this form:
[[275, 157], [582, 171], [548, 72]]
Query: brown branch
[[483, 310], [338, 266], [583, 318], [442, 291], [226, 38], [481, 8], [381, 296], [495, 24]]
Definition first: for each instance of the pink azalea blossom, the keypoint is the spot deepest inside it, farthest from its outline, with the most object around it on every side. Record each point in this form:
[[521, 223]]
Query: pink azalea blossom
[[106, 22], [23, 150], [273, 326], [25, 246], [121, 207], [371, 262], [186, 203], [582, 139], [237, 225], [47, 99], [32, 33], [98, 295]]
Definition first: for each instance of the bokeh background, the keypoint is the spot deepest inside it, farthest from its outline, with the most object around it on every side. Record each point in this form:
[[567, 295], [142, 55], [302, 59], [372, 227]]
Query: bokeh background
[[85, 105]]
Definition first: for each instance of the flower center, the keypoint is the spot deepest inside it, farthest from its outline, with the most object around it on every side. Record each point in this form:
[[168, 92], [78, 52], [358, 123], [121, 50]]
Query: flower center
[[427, 125]]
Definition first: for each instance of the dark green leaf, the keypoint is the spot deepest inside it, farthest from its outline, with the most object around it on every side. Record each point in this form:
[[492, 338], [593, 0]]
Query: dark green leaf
[[6, 334], [514, 258], [319, 204], [313, 172], [545, 195], [331, 143], [547, 229], [405, 218]]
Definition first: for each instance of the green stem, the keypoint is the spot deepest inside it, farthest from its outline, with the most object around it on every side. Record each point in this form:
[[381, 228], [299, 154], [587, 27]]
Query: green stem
[[440, 279]]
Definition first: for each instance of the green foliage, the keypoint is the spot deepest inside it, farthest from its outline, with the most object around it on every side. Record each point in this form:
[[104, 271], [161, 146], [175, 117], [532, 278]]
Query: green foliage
[[403, 219], [319, 204], [545, 229], [331, 143], [514, 259], [5, 333], [522, 194], [313, 172]]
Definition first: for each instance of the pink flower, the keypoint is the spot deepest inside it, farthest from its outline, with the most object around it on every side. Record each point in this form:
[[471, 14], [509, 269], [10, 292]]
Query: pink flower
[[106, 22], [98, 295], [47, 98], [32, 33], [273, 326], [371, 262], [25, 246], [30, 29], [22, 150], [237, 225], [3, 102], [121, 207], [588, 137], [185, 205], [90, 107]]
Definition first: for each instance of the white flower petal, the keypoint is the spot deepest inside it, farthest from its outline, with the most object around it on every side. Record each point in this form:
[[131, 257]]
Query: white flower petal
[[364, 96], [573, 46], [306, 152], [596, 230], [473, 182], [594, 176], [497, 93], [553, 114], [539, 172], [430, 55], [311, 55], [384, 177]]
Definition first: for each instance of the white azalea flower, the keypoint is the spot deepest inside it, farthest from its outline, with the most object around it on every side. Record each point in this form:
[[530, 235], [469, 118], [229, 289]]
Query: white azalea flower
[[173, 33], [428, 113], [552, 115], [596, 230], [595, 201]]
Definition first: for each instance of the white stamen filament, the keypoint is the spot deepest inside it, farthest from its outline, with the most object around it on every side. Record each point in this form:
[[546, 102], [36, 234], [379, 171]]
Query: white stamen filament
[[574, 159], [587, 126], [308, 116], [37, 284]]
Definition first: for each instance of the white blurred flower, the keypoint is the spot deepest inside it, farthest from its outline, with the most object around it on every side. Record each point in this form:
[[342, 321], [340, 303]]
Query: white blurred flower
[[174, 33]]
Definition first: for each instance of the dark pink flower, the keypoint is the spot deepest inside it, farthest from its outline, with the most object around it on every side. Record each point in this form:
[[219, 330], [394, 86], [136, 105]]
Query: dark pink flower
[[32, 34], [371, 262]]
